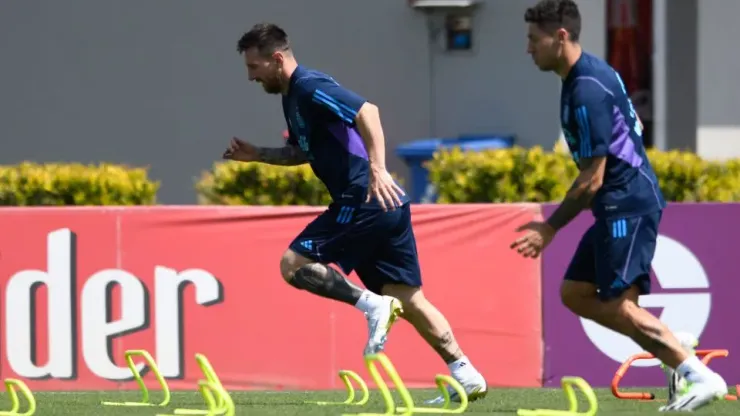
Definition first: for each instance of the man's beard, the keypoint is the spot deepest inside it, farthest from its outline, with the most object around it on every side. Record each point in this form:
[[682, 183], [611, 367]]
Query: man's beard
[[272, 86]]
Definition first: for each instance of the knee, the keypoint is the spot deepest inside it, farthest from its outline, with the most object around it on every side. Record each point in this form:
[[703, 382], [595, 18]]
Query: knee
[[569, 298], [412, 298], [578, 297], [290, 262]]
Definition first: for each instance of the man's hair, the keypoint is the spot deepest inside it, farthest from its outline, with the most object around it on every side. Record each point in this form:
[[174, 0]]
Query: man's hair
[[266, 37], [551, 15]]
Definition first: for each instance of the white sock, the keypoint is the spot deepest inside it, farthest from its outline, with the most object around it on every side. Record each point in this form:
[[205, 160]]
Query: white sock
[[462, 369], [368, 301], [694, 370]]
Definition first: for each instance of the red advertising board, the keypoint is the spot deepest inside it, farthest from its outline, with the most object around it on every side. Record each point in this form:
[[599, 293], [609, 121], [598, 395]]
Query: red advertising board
[[80, 286]]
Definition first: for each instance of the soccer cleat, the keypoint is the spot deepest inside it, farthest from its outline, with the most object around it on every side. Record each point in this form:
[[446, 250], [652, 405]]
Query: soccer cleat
[[675, 386], [476, 388], [678, 385], [379, 323], [699, 395]]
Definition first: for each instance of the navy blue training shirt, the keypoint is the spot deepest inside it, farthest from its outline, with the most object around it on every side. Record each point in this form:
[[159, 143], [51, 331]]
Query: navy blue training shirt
[[321, 120], [598, 120]]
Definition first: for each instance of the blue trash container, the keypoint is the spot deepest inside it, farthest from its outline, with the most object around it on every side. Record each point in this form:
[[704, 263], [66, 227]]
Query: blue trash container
[[417, 152]]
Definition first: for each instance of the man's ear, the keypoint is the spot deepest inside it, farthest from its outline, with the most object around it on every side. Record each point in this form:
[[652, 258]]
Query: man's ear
[[278, 57], [562, 35]]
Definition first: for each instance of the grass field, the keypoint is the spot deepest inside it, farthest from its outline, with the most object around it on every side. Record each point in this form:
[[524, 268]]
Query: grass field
[[498, 402]]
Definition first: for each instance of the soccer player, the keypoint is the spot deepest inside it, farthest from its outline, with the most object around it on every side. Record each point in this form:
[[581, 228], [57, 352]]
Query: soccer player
[[367, 227], [611, 265]]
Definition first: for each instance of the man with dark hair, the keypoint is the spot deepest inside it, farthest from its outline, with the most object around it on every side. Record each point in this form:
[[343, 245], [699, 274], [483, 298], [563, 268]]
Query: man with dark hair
[[367, 227], [610, 268]]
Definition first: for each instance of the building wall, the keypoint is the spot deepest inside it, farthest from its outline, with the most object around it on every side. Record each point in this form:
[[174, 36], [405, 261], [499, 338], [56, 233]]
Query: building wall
[[718, 89], [161, 85]]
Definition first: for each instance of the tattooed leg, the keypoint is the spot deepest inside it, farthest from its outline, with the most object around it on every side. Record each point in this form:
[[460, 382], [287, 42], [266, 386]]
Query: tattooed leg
[[428, 321], [435, 329], [326, 282]]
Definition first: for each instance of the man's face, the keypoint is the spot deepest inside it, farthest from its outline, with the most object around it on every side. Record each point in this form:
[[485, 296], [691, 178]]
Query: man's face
[[264, 69], [545, 48]]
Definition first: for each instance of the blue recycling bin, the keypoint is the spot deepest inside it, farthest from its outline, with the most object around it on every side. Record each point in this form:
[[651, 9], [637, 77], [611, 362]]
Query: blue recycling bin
[[417, 152]]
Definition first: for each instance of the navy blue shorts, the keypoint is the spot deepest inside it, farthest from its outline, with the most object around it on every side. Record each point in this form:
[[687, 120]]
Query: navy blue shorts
[[379, 246], [616, 254]]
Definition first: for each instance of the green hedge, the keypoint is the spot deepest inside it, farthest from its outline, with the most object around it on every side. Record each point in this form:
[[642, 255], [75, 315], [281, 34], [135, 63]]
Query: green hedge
[[507, 175], [30, 184], [237, 183], [535, 175]]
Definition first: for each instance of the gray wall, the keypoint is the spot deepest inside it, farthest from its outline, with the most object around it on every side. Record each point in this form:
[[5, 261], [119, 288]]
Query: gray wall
[[718, 89], [697, 96], [680, 57], [160, 84]]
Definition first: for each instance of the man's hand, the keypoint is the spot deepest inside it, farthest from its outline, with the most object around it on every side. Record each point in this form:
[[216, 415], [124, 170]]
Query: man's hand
[[241, 151], [534, 242], [384, 188]]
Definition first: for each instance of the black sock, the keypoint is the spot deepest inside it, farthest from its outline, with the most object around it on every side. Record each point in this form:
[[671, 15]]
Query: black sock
[[326, 282]]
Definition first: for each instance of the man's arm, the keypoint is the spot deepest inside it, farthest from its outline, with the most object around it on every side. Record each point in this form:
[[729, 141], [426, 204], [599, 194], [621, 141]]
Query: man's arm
[[593, 113], [351, 108], [288, 155], [371, 131], [581, 193]]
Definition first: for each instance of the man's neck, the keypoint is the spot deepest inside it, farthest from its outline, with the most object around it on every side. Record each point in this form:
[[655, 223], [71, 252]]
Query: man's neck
[[289, 66], [571, 55]]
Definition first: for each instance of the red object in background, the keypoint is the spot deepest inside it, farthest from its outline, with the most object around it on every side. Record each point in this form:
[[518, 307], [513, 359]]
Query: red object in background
[[630, 41], [180, 281], [629, 51], [622, 48], [286, 135]]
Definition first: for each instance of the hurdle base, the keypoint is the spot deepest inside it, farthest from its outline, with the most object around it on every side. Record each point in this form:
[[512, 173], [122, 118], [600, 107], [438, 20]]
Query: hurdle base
[[706, 354], [568, 384]]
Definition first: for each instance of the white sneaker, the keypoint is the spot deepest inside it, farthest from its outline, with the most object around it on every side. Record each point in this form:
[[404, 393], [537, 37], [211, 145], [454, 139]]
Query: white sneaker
[[379, 323], [699, 395], [476, 388], [678, 385]]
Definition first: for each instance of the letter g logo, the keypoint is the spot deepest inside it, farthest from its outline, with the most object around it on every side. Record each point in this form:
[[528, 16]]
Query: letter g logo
[[675, 267]]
